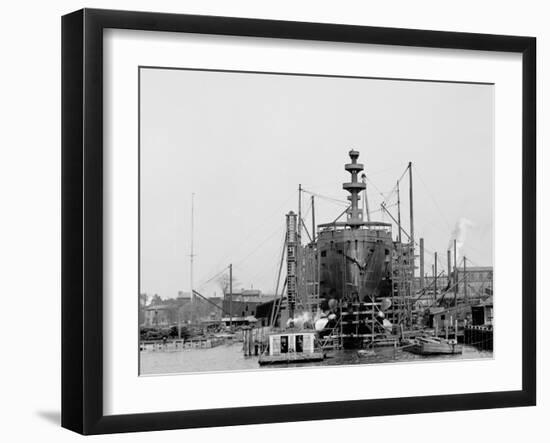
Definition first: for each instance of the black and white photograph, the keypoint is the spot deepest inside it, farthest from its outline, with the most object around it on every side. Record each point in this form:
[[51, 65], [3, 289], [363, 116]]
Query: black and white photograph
[[242, 221], [292, 220]]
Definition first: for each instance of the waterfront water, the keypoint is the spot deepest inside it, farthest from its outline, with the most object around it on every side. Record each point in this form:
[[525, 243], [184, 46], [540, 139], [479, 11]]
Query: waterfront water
[[229, 357]]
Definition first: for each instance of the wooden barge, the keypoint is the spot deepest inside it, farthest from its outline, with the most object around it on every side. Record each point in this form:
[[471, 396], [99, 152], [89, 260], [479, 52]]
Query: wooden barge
[[291, 347]]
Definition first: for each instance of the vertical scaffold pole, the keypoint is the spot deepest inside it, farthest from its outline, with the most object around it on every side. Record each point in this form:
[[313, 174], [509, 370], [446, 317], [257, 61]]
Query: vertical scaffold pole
[[398, 214], [298, 278], [411, 250], [435, 275], [313, 227], [299, 231], [411, 208]]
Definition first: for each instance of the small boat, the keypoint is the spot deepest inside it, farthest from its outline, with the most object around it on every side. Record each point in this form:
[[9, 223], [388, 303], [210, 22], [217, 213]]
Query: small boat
[[365, 352], [291, 347], [433, 345]]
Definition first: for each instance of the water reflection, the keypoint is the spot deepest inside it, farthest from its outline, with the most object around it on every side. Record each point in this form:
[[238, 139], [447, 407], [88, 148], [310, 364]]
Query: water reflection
[[229, 357]]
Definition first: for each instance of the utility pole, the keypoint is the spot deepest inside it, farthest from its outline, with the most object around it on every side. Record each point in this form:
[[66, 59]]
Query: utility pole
[[421, 263], [299, 213], [192, 256], [432, 283], [231, 296], [299, 243], [435, 275], [449, 267]]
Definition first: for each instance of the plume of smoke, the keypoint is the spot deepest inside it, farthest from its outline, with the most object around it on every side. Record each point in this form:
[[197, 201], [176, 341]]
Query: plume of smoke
[[300, 321], [459, 234]]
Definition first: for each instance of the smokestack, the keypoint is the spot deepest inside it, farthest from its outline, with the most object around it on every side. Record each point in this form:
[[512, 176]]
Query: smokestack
[[455, 275], [449, 266], [421, 263]]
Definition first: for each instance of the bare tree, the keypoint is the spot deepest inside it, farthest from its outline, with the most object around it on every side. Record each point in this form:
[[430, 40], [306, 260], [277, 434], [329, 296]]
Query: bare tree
[[156, 300], [223, 283], [143, 299]]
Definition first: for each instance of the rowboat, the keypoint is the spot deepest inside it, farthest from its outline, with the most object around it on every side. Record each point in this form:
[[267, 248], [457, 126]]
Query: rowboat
[[433, 345]]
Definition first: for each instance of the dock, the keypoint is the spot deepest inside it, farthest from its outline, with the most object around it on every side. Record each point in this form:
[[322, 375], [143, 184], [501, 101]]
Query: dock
[[291, 358]]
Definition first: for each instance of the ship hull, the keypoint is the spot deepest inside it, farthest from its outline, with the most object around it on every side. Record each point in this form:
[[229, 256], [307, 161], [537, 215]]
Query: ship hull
[[354, 264]]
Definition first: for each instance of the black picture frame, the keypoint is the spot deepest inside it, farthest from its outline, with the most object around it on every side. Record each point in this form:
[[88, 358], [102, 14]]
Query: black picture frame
[[82, 219]]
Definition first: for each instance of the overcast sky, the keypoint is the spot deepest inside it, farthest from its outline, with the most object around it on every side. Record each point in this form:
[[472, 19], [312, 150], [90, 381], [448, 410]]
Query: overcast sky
[[243, 142]]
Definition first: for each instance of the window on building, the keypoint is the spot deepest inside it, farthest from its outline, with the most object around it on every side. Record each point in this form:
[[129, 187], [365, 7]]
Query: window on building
[[299, 343], [284, 344]]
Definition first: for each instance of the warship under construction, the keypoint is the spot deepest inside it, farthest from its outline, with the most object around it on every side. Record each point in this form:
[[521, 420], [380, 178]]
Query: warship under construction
[[351, 280]]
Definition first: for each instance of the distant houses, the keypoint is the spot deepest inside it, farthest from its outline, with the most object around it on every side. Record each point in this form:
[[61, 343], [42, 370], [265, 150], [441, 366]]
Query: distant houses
[[236, 308], [477, 279]]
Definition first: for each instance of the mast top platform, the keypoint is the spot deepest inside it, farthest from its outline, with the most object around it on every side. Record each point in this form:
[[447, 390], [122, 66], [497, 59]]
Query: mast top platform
[[354, 214]]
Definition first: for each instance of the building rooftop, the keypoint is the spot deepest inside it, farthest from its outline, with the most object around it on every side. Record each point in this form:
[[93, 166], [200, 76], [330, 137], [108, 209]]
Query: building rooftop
[[476, 268], [252, 299], [158, 307]]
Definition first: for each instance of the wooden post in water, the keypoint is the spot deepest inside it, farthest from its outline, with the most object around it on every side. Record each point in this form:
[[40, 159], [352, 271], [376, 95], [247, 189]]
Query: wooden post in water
[[231, 296], [179, 322]]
